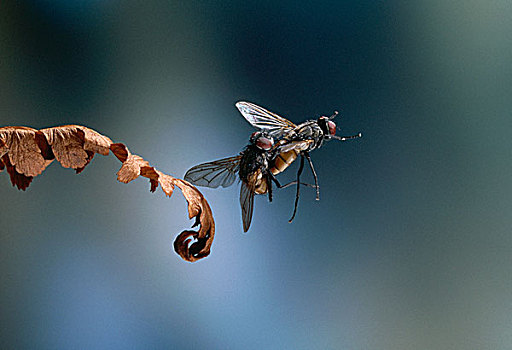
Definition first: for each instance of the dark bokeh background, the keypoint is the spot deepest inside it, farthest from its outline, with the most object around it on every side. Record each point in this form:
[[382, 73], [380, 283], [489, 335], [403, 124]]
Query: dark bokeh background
[[410, 246]]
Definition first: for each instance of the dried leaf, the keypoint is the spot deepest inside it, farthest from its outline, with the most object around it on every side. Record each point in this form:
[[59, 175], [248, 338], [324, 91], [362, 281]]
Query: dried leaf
[[19, 180], [26, 152], [3, 147], [131, 168], [23, 152], [95, 142], [3, 150], [167, 183], [90, 155], [70, 144], [42, 143], [152, 174], [120, 151]]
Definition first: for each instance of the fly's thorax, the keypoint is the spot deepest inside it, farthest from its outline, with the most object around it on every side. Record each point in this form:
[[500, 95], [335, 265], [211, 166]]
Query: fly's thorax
[[253, 164], [309, 131]]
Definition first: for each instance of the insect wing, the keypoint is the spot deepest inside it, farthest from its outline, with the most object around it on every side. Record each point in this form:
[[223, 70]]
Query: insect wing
[[246, 203], [261, 118], [222, 172]]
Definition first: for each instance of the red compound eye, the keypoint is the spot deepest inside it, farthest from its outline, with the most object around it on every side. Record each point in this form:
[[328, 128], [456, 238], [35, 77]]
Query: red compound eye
[[264, 143], [332, 128]]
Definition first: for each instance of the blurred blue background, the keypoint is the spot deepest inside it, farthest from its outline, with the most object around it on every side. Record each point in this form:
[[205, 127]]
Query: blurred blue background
[[410, 246]]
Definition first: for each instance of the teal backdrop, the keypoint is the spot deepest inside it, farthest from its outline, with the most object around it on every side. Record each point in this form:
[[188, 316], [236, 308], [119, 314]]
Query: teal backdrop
[[410, 246]]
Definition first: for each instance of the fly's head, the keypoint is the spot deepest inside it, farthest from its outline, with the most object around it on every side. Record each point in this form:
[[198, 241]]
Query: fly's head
[[329, 128], [327, 125]]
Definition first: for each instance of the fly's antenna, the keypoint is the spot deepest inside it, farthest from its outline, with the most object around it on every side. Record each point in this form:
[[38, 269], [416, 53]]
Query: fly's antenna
[[334, 114], [345, 138]]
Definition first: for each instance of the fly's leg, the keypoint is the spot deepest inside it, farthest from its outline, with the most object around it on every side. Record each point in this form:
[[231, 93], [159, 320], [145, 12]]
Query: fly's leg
[[295, 182], [268, 179], [278, 185], [273, 178], [298, 187], [314, 175]]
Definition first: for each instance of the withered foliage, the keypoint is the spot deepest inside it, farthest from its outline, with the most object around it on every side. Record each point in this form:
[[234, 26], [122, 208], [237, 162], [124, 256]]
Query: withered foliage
[[26, 152]]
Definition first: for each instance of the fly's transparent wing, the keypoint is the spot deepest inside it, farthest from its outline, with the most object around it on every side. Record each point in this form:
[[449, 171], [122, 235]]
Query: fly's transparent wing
[[260, 118], [246, 203], [222, 172]]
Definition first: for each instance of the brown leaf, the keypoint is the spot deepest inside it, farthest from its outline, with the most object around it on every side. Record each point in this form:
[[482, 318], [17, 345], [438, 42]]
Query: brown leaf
[[132, 164], [94, 141], [90, 155], [42, 143], [3, 150], [26, 152], [120, 151], [152, 174], [167, 183], [130, 170], [3, 146], [23, 152], [70, 144], [19, 180]]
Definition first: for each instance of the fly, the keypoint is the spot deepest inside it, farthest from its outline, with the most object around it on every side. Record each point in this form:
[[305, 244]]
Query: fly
[[292, 140]]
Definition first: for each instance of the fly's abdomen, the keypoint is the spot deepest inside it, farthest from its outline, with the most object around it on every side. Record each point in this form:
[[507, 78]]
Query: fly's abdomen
[[261, 187], [257, 182], [283, 161]]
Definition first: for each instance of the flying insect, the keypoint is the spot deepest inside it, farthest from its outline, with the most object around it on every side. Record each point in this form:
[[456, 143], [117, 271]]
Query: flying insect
[[292, 140]]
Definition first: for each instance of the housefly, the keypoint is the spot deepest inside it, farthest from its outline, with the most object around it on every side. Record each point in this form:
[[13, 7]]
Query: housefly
[[252, 167], [292, 140]]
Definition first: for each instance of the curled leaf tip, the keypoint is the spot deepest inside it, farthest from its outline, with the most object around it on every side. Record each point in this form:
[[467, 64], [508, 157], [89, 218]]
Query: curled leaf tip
[[190, 247], [199, 209]]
